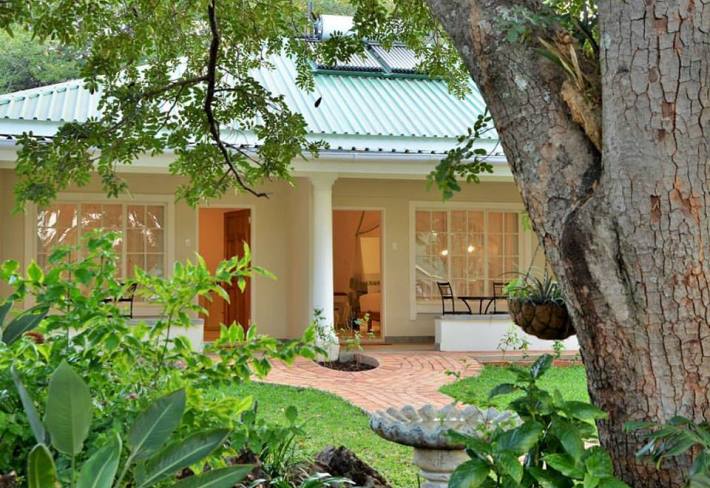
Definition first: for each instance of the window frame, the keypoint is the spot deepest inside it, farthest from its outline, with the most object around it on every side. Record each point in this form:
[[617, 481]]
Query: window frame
[[524, 244], [167, 201]]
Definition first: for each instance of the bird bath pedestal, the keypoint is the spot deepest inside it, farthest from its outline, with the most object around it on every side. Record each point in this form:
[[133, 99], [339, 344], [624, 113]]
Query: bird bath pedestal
[[426, 431]]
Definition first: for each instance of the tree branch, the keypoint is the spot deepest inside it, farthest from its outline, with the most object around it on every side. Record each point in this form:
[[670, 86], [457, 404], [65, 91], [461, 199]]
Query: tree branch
[[553, 161], [209, 100]]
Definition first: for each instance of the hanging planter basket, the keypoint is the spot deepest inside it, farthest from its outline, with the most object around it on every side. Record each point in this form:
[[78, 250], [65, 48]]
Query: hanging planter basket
[[548, 320]]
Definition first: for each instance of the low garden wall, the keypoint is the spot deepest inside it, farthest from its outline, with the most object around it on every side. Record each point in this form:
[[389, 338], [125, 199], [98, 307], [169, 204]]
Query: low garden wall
[[486, 333]]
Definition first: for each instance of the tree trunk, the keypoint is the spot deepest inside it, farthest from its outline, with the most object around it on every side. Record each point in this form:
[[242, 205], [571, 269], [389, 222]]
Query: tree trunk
[[627, 230]]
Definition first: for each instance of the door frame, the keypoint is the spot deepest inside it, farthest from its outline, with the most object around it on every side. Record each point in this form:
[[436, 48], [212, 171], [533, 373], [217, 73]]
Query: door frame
[[383, 264], [252, 231]]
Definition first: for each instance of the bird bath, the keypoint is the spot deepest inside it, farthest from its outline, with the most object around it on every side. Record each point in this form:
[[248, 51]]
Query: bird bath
[[426, 431]]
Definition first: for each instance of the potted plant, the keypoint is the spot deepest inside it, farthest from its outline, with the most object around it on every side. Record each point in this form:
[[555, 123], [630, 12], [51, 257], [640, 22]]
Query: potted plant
[[536, 305]]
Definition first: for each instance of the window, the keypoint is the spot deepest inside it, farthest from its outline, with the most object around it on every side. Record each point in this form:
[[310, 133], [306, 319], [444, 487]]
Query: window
[[470, 248], [142, 228]]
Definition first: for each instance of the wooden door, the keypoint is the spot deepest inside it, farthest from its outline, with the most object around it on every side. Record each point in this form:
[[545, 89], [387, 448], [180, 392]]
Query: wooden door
[[237, 231]]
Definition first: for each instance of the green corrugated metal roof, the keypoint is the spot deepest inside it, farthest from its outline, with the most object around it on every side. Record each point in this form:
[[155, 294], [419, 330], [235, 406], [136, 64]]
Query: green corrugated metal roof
[[375, 112]]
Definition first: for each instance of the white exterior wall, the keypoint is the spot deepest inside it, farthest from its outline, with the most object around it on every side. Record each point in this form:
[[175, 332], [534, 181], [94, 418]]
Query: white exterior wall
[[485, 333]]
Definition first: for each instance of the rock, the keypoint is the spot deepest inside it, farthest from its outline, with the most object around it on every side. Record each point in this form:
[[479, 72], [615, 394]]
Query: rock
[[8, 480], [341, 461]]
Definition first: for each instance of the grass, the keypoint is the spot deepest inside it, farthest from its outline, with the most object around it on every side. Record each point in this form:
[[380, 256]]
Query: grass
[[329, 420], [570, 381]]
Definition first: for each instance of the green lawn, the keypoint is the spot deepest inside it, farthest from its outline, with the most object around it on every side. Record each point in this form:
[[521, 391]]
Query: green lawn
[[569, 380], [329, 420]]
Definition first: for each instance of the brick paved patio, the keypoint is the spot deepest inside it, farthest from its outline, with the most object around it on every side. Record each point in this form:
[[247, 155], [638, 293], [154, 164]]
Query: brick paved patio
[[403, 377]]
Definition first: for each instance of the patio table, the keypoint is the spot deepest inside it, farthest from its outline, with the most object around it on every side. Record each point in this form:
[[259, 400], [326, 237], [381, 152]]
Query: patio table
[[481, 299]]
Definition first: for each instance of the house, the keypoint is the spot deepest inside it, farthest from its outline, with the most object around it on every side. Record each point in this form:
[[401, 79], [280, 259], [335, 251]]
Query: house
[[358, 232]]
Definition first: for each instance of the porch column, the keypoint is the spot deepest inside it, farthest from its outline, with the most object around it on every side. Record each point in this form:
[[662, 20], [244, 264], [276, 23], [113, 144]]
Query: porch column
[[322, 246]]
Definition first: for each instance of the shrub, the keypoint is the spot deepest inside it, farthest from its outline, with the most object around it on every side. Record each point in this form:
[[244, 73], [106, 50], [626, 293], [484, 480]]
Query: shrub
[[675, 438], [549, 448], [127, 366]]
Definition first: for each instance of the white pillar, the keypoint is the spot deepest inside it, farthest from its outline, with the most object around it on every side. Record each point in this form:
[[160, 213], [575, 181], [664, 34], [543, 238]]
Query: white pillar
[[322, 247]]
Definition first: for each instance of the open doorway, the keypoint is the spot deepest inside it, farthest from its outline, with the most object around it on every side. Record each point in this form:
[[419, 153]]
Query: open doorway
[[222, 235], [357, 272]]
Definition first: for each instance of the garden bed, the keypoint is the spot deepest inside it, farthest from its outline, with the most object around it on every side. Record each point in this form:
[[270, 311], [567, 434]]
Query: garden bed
[[352, 363]]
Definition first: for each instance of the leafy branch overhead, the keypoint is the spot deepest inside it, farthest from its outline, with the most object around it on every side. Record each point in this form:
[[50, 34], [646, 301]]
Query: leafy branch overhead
[[180, 76]]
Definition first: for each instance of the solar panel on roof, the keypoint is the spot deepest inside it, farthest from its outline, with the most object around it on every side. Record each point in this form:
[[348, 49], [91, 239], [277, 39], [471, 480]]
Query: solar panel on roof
[[399, 59], [357, 62]]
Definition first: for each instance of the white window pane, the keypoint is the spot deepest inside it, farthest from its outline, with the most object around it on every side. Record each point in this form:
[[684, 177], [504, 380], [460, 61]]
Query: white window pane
[[475, 221], [476, 288], [59, 216], [458, 221], [459, 244], [135, 241], [423, 220], [91, 216], [113, 217], [511, 245], [50, 237], [154, 217], [494, 246], [460, 288], [423, 288], [496, 269], [440, 244], [511, 222], [423, 241], [154, 240], [495, 222], [432, 267], [475, 267], [438, 221], [458, 267], [136, 216], [154, 264], [135, 261], [474, 244]]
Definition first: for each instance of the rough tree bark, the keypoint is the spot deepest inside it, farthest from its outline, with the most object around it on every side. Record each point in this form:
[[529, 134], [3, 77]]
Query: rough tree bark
[[626, 230]]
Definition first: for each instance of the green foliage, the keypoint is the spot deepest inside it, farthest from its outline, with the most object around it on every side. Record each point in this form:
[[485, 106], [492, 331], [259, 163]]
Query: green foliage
[[69, 410], [570, 381], [552, 438], [465, 161], [523, 24], [328, 420], [179, 76], [27, 63], [679, 436], [512, 339], [69, 394], [534, 289], [40, 468], [324, 334], [25, 322], [126, 366]]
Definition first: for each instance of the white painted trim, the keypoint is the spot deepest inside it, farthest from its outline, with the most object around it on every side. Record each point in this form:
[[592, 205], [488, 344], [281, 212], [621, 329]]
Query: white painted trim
[[384, 318], [523, 242], [252, 246], [346, 164]]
